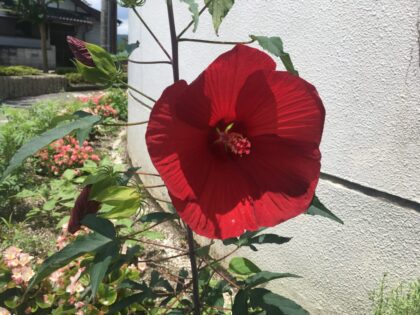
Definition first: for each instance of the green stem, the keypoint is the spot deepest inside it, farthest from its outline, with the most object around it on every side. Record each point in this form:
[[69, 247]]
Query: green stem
[[128, 124], [205, 41], [151, 33], [139, 92], [149, 62]]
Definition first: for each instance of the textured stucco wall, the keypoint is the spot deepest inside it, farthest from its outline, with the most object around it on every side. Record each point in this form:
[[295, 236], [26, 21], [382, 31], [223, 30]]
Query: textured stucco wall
[[363, 57]]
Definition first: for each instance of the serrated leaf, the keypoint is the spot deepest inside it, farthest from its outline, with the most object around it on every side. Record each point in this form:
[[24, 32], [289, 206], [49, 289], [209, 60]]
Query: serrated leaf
[[193, 7], [318, 208], [266, 276], [102, 59], [113, 194], [100, 264], [243, 266], [90, 74], [240, 304], [274, 304], [218, 10], [274, 45], [37, 143], [89, 243]]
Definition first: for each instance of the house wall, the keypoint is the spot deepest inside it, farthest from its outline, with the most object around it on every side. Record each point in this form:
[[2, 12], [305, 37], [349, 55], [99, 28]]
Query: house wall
[[24, 51], [363, 57]]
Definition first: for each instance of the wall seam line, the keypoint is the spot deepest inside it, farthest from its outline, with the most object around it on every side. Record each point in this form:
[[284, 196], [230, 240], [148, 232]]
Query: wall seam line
[[372, 192]]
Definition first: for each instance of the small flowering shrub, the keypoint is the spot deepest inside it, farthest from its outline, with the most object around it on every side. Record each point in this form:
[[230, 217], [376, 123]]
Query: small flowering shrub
[[65, 153], [63, 289]]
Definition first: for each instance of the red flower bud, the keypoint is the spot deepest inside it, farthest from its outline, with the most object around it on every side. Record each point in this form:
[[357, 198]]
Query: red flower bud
[[82, 207], [80, 52]]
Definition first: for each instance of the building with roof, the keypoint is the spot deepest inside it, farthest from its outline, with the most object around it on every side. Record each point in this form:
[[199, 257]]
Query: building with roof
[[20, 40]]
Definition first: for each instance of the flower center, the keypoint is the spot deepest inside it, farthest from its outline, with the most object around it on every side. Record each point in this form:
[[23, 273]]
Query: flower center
[[235, 142]]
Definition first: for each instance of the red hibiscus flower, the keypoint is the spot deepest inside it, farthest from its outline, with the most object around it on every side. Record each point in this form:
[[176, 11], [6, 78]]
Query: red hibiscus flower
[[238, 148], [82, 208], [80, 52]]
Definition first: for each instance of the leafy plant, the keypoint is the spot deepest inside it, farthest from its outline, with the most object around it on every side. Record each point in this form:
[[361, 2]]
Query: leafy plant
[[404, 299], [18, 70]]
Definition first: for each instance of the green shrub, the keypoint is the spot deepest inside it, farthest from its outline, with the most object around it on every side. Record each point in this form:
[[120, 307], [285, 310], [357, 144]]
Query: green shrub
[[401, 300], [18, 70], [117, 98], [75, 78]]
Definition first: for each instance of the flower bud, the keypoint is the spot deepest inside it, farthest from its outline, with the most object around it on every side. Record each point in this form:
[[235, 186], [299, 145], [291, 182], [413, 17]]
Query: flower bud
[[82, 207], [80, 52]]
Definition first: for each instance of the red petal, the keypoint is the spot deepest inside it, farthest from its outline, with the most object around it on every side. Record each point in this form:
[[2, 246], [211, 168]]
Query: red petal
[[286, 173], [282, 104], [83, 206], [212, 96], [175, 147]]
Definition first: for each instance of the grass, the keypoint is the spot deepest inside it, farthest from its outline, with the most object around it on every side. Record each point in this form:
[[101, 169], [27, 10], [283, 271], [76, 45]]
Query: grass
[[404, 299]]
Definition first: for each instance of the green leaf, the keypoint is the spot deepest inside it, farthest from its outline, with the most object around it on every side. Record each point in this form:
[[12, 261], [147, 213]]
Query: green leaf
[[243, 266], [120, 210], [100, 225], [37, 143], [269, 239], [218, 10], [240, 305], [266, 276], [101, 262], [107, 294], [102, 59], [126, 302], [113, 194], [274, 304], [274, 45], [158, 217], [317, 208], [193, 6], [91, 74], [130, 47], [153, 235], [92, 242]]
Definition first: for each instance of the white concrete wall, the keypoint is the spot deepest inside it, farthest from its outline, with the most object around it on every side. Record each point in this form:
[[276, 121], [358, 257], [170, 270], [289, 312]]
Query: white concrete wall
[[363, 57]]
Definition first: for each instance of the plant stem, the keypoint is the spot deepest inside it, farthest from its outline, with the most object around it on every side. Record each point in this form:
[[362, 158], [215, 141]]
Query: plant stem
[[174, 40], [175, 68], [205, 41], [139, 101], [152, 34], [147, 174], [128, 124], [149, 62], [194, 272], [139, 92], [154, 186]]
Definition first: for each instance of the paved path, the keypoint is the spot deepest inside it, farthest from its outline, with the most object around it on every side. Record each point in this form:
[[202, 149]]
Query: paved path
[[30, 100]]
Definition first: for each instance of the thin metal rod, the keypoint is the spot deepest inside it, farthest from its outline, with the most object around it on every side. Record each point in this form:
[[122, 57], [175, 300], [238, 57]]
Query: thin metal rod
[[152, 34], [149, 62], [205, 41]]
